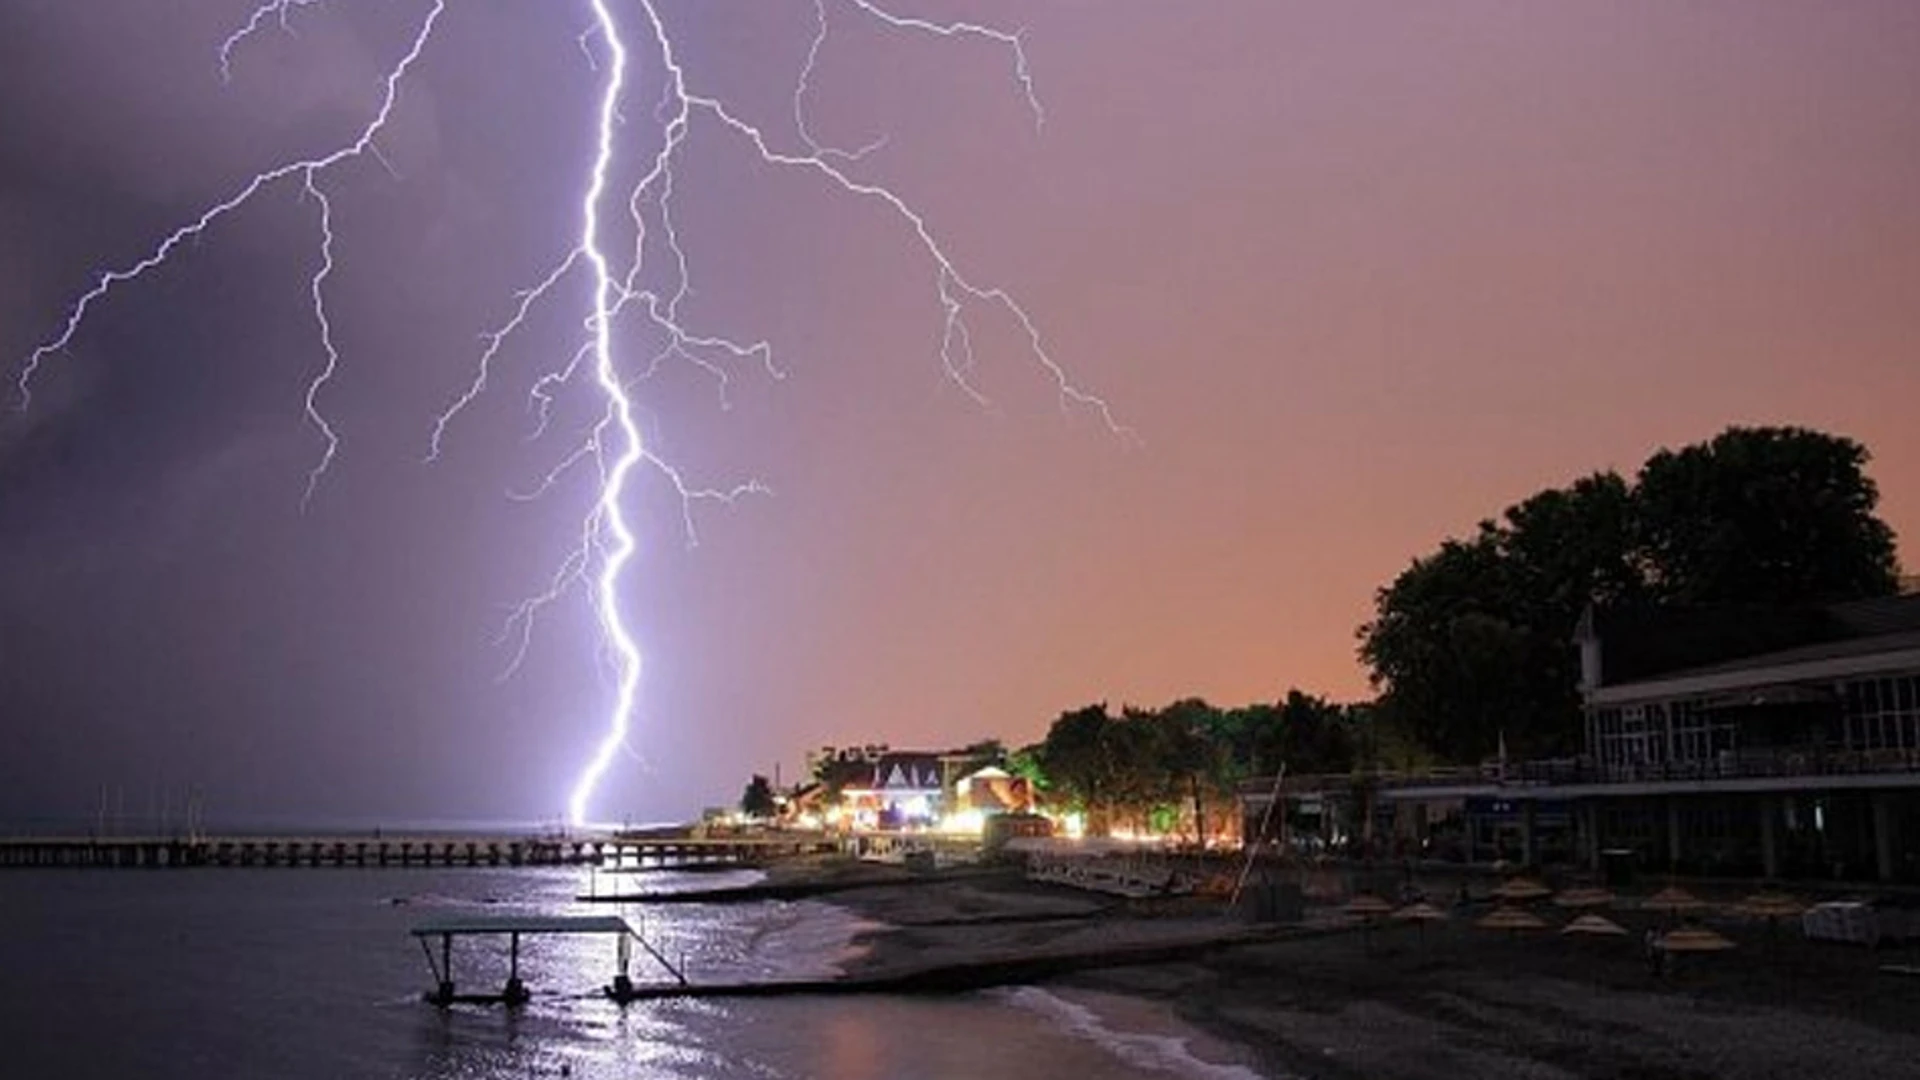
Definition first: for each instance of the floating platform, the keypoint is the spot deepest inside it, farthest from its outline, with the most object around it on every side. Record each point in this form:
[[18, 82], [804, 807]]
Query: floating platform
[[513, 928]]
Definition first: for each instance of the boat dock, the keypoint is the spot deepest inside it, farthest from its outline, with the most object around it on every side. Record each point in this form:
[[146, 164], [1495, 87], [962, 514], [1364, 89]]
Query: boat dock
[[362, 850], [513, 928]]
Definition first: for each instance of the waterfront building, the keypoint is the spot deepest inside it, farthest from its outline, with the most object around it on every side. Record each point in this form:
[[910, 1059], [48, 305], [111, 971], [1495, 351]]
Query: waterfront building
[[1741, 743]]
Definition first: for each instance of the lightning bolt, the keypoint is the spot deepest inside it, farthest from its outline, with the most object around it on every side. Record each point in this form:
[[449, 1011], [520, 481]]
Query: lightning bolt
[[619, 414], [619, 286]]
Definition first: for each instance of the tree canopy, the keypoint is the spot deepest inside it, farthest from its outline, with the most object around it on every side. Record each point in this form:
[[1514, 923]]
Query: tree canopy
[[1177, 766], [757, 800], [1763, 516], [1475, 641]]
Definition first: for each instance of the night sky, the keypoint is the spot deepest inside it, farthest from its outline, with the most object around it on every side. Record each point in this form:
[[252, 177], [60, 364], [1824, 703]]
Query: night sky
[[1358, 275]]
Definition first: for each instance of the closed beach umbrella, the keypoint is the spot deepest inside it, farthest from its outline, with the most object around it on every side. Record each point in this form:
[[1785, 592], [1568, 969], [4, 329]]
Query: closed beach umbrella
[[1594, 926], [1585, 896], [1521, 888]]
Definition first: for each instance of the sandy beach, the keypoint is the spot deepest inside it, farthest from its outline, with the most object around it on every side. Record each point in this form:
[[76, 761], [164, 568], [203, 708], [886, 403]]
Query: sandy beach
[[1331, 1000]]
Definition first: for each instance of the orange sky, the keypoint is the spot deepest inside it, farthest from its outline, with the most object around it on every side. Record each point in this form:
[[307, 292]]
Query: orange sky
[[1359, 278]]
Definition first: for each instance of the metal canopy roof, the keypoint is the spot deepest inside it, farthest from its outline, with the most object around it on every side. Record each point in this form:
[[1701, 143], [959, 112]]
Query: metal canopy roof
[[523, 924]]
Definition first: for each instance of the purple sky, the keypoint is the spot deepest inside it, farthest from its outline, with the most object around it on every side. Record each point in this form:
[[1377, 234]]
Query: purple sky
[[1358, 274]]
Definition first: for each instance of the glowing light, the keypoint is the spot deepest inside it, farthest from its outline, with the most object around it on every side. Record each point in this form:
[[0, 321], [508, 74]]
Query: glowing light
[[614, 445], [968, 822]]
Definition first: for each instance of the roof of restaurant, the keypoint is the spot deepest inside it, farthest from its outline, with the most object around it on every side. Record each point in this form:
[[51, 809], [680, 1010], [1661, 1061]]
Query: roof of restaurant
[[1638, 645]]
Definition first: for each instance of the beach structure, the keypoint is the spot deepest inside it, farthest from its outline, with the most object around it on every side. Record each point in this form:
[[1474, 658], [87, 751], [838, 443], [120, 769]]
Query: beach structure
[[1591, 925], [1769, 743], [878, 787], [1521, 889], [1673, 900], [993, 790], [1771, 904], [1510, 919], [1692, 939], [1104, 866], [515, 927], [1367, 906], [1420, 912], [1585, 896]]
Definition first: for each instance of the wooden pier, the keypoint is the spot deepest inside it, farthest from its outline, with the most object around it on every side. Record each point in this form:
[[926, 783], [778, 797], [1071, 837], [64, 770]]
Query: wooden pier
[[362, 850]]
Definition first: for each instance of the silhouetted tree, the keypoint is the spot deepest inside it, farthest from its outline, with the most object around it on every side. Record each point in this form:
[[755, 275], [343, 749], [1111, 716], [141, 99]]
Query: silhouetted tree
[[1474, 641], [1451, 649], [1772, 515], [757, 801], [1080, 756]]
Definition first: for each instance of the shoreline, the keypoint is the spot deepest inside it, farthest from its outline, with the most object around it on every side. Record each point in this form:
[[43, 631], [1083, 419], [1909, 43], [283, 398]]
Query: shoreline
[[997, 921], [1401, 1003]]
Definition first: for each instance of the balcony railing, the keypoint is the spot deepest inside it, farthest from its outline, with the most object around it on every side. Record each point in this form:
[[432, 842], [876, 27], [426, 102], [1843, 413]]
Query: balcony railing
[[1760, 763], [1726, 765]]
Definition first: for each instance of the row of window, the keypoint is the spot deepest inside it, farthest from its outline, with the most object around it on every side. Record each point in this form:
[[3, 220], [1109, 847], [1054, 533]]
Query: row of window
[[1879, 714], [1883, 714], [1659, 732]]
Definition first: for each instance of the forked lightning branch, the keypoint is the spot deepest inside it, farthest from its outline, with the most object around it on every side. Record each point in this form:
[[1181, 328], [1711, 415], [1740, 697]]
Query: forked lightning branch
[[624, 286]]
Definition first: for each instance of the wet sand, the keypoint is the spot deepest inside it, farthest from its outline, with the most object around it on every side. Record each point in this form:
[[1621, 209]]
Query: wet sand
[[1336, 1002]]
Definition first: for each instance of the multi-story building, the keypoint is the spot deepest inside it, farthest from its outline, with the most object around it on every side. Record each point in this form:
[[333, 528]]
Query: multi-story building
[[1775, 743], [1798, 755]]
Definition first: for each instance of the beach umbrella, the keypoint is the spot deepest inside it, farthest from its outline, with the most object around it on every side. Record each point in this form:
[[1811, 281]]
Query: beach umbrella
[[1584, 896], [1522, 889], [1696, 939], [1367, 906], [1510, 918], [1420, 915], [1594, 926], [1421, 912], [1673, 901], [1771, 905]]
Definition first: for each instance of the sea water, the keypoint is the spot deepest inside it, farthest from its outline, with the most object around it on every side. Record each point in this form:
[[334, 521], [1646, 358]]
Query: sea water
[[298, 973]]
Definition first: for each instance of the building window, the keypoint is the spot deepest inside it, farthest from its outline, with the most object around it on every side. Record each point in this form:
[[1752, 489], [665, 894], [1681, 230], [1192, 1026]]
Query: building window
[[1883, 713], [1692, 738]]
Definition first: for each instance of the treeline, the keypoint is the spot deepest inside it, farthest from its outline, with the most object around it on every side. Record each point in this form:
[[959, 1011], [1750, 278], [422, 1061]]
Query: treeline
[[1476, 640], [1166, 769], [1471, 648]]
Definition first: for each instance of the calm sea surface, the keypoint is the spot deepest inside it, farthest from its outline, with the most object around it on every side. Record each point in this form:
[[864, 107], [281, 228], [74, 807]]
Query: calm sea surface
[[311, 973]]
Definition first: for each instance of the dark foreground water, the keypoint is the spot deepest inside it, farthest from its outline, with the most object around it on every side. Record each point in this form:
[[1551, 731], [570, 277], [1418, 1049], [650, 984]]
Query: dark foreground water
[[311, 973]]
